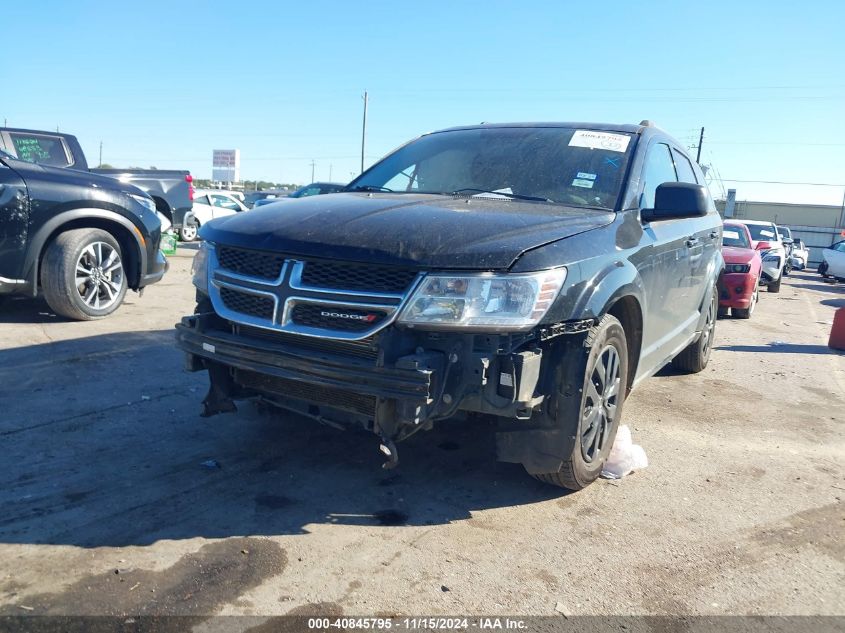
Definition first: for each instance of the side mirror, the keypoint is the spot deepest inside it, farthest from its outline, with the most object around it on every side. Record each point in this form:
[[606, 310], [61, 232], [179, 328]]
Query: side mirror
[[677, 200], [762, 246]]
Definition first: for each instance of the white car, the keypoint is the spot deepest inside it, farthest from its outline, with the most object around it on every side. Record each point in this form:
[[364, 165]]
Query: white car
[[800, 254], [208, 205], [834, 261], [766, 239]]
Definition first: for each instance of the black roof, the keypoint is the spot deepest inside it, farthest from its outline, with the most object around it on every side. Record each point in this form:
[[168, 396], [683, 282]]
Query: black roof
[[603, 127]]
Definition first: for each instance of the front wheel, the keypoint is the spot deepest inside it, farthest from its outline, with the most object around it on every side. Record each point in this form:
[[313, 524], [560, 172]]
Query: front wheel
[[747, 312], [593, 412], [775, 285], [695, 356], [82, 274]]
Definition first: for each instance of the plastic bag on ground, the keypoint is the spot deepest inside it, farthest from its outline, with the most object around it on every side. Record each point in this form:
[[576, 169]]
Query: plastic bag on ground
[[625, 456]]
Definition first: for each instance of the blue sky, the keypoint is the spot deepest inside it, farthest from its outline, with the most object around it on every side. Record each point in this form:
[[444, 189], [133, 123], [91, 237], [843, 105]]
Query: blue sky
[[165, 83]]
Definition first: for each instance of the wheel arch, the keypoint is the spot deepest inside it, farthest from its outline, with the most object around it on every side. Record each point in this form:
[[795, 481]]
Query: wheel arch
[[128, 236], [628, 311]]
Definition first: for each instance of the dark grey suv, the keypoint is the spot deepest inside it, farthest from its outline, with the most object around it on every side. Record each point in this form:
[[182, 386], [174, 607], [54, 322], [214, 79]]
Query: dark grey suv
[[533, 273]]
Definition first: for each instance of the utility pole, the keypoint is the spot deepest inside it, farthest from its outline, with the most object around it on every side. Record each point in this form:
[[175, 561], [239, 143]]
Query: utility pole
[[700, 141], [101, 154], [364, 132], [330, 172], [312, 169]]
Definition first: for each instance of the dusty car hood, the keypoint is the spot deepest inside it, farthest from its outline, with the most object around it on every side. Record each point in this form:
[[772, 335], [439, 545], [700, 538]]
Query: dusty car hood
[[736, 255], [408, 229]]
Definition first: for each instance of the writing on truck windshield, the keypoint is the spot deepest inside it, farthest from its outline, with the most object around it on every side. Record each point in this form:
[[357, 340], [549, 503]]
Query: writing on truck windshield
[[567, 166]]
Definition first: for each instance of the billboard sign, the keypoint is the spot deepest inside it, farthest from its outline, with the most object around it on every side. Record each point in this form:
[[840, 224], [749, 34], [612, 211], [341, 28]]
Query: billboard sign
[[226, 165]]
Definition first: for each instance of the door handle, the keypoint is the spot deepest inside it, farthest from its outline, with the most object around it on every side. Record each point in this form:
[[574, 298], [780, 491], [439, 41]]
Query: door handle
[[693, 241], [714, 235]]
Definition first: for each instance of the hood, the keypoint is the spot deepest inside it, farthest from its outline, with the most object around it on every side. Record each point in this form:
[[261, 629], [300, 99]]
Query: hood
[[65, 175], [736, 255], [421, 230]]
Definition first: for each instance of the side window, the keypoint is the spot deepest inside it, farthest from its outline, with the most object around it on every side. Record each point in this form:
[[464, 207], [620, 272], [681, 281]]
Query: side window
[[39, 148], [684, 168], [201, 200], [658, 169], [224, 202]]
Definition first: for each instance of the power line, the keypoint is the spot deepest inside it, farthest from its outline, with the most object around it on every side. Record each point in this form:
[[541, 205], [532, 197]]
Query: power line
[[785, 182]]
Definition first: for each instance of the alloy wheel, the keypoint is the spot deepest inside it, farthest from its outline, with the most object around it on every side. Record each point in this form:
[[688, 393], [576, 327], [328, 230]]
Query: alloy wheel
[[99, 275], [600, 403]]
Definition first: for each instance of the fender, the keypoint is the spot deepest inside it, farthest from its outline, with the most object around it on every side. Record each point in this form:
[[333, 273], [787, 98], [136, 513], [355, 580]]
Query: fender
[[598, 290], [714, 271], [39, 240]]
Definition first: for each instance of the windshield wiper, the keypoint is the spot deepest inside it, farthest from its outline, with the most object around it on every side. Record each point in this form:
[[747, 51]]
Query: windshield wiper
[[515, 196], [371, 188]]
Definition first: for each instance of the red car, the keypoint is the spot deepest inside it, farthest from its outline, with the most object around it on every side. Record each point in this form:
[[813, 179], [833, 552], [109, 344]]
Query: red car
[[739, 284]]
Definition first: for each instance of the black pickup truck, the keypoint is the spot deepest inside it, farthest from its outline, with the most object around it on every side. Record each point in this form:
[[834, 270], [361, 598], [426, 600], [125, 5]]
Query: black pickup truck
[[83, 239], [533, 273], [170, 189]]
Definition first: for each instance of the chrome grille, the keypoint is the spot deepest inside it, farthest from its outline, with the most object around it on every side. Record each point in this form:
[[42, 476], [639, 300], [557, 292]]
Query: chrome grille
[[247, 303], [329, 318], [356, 277], [339, 301], [329, 396], [250, 263]]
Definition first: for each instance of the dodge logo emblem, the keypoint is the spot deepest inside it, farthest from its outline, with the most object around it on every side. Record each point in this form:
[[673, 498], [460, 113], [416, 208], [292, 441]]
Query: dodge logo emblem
[[368, 318]]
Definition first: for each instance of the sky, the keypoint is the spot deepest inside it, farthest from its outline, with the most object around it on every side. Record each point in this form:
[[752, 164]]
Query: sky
[[165, 83]]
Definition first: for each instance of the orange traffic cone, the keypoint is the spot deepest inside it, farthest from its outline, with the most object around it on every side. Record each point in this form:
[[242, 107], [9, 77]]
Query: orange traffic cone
[[837, 331]]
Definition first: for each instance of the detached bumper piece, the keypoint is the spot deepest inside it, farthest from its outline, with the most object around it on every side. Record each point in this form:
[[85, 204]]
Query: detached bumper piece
[[314, 374]]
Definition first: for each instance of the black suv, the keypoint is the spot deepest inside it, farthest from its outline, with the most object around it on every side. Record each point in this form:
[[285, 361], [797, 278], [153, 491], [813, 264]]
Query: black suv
[[530, 272], [83, 239]]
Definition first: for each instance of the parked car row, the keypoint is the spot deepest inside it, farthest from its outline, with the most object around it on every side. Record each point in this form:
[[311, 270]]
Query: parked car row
[[833, 261], [757, 253]]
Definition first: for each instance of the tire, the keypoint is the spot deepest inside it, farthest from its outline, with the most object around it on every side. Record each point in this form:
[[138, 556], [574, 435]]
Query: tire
[[189, 233], [99, 288], [746, 313], [775, 285], [694, 357], [724, 312], [787, 268], [604, 382], [823, 269]]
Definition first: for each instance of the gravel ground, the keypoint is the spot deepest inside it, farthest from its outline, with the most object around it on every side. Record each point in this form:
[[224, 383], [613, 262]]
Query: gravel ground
[[111, 505]]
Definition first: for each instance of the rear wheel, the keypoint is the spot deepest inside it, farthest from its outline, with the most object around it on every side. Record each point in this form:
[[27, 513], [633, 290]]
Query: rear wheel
[[82, 274], [188, 232], [823, 269], [694, 357], [592, 413]]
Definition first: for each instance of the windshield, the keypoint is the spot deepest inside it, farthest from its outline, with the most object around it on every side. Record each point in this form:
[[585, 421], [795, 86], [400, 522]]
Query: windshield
[[762, 232], [735, 236], [574, 167]]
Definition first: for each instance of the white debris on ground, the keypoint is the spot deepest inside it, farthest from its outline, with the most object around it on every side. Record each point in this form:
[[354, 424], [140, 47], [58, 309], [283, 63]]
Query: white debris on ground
[[625, 456]]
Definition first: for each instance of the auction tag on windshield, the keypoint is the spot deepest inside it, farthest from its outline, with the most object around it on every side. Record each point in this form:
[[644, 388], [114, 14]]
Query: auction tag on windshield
[[731, 235], [600, 140], [583, 182]]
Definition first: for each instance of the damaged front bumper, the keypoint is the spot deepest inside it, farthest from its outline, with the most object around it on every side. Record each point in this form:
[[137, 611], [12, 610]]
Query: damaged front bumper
[[395, 383]]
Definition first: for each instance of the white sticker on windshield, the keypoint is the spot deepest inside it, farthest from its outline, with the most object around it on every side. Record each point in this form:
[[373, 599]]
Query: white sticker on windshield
[[586, 176], [600, 140], [766, 233], [580, 182], [730, 235]]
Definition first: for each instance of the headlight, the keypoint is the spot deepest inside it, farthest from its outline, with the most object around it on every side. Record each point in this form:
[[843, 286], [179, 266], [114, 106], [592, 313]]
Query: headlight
[[199, 267], [737, 268], [144, 201], [486, 302], [771, 258]]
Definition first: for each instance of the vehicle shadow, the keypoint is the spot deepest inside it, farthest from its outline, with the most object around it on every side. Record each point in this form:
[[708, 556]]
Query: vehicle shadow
[[834, 303], [778, 348], [103, 446], [15, 309]]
